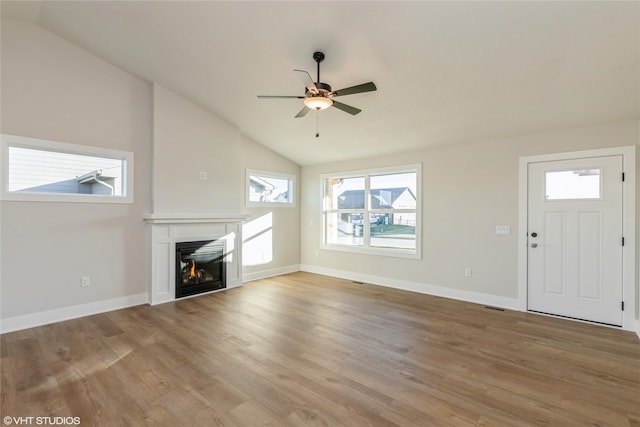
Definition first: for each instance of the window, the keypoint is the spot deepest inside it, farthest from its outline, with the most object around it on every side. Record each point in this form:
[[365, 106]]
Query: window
[[374, 211], [573, 184], [270, 189], [40, 170]]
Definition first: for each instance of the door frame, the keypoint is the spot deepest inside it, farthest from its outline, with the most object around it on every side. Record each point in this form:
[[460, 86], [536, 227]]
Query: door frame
[[629, 286]]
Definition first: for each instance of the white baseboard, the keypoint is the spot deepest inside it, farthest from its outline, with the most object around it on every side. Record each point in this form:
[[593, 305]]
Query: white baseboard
[[423, 288], [264, 274], [26, 321], [17, 323]]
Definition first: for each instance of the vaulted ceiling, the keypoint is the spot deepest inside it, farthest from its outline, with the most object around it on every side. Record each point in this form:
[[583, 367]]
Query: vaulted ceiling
[[446, 72]]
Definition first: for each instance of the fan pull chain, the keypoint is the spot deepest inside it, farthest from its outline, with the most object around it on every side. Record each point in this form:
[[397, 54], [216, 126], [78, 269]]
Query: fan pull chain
[[317, 123]]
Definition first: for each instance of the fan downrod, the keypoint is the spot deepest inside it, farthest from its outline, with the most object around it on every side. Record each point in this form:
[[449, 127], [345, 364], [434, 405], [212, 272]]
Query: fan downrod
[[318, 57]]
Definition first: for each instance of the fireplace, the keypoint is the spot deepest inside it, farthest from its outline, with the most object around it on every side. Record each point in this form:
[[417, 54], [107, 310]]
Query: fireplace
[[169, 230], [200, 267]]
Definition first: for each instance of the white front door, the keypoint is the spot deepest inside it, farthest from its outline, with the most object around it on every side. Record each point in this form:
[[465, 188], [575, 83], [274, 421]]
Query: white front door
[[575, 238]]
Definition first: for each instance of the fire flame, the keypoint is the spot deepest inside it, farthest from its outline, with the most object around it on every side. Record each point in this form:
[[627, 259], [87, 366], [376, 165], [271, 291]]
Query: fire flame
[[192, 271]]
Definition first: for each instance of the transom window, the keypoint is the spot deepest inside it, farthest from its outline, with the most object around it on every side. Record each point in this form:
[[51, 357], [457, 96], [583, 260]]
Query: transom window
[[270, 189], [42, 170], [373, 211]]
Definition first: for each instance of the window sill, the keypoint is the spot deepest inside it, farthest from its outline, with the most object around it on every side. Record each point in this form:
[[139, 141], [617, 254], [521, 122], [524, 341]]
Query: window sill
[[64, 198], [270, 205], [396, 253]]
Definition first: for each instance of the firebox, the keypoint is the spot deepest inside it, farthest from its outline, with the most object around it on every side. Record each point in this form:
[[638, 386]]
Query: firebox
[[200, 267]]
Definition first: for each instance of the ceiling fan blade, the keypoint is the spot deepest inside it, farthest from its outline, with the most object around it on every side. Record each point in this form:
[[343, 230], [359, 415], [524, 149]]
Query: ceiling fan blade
[[306, 79], [279, 97], [365, 87], [302, 112], [346, 108]]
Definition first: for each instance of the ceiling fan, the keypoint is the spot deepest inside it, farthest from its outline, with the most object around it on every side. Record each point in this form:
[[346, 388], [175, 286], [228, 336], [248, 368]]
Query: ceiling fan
[[318, 95]]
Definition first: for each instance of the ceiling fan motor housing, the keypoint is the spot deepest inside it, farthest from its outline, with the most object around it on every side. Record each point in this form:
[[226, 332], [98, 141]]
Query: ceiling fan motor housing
[[323, 88]]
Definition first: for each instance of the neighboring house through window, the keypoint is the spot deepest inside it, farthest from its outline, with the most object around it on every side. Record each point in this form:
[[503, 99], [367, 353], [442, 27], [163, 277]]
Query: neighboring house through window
[[373, 211], [270, 188], [40, 170]]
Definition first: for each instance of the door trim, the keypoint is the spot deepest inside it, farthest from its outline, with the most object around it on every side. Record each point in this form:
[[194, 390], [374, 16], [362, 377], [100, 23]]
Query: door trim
[[629, 316]]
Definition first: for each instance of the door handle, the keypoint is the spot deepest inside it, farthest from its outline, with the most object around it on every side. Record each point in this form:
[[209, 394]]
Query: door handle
[[534, 245]]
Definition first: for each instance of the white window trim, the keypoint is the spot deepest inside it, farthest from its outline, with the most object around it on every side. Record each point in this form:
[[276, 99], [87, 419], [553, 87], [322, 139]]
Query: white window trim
[[292, 189], [47, 145], [399, 252]]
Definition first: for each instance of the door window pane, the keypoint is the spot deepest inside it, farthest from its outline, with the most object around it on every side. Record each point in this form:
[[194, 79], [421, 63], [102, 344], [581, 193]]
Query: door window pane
[[573, 184]]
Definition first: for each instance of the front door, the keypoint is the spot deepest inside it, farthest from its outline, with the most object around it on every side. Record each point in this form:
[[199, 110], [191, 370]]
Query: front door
[[575, 238]]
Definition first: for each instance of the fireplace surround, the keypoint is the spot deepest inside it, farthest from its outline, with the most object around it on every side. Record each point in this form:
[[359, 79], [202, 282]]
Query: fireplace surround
[[168, 230]]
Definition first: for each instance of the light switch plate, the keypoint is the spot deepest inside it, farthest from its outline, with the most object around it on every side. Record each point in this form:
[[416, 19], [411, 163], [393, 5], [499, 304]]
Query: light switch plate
[[503, 229]]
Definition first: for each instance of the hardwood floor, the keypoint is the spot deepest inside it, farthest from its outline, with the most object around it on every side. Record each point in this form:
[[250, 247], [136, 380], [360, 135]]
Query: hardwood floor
[[310, 350]]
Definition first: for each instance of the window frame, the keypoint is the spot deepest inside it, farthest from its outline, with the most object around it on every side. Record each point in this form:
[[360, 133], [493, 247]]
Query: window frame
[[367, 212], [67, 148], [261, 173]]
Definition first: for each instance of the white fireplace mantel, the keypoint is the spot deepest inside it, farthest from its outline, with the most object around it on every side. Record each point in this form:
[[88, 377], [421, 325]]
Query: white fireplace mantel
[[193, 218], [168, 229]]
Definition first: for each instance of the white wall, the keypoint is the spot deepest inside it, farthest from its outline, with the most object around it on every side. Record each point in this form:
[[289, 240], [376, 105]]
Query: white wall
[[187, 139], [468, 189], [272, 234], [57, 91], [54, 90], [638, 231]]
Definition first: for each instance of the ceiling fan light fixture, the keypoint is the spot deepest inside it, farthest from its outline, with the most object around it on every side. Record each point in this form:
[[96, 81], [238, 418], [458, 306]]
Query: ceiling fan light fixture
[[318, 102], [319, 96]]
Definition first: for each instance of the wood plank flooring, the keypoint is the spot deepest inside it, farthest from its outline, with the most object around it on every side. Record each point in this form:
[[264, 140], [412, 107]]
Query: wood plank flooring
[[310, 350]]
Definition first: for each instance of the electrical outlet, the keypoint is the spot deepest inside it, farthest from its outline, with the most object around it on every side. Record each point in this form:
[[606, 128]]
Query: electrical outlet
[[85, 281], [203, 176], [468, 272]]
